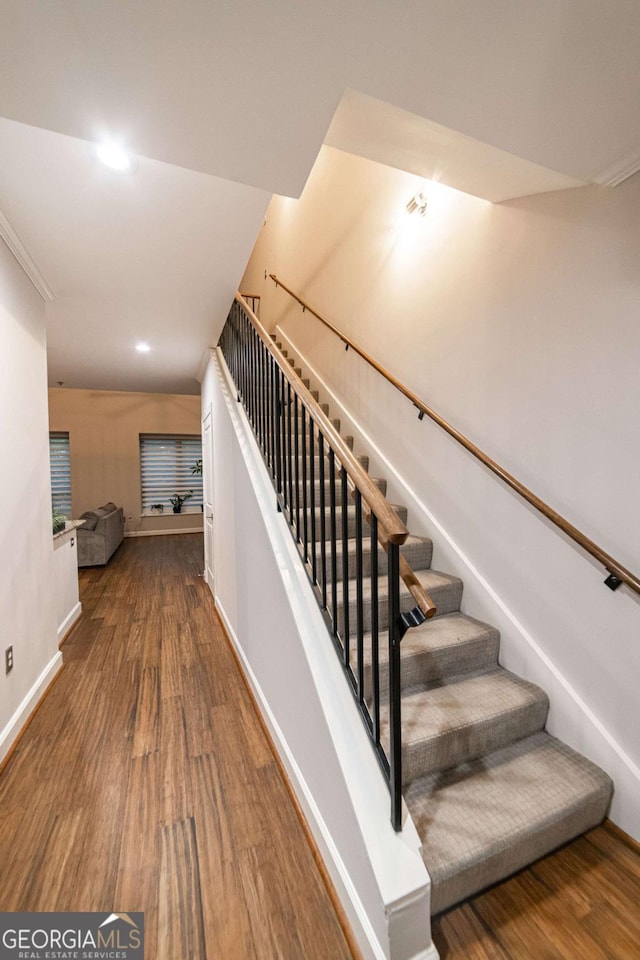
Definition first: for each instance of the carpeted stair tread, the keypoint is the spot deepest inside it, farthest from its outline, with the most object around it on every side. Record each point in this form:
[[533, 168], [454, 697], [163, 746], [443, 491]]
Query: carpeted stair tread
[[484, 820], [445, 646], [467, 717]]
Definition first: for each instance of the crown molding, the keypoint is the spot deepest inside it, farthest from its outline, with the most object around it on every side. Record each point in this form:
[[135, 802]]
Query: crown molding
[[18, 249], [619, 171], [206, 356]]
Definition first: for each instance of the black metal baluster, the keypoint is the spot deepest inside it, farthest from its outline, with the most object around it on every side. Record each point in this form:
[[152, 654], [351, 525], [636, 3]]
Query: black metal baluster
[[297, 456], [233, 351], [359, 600], [289, 458], [305, 525], [345, 565], [259, 361], [395, 720], [241, 357], [265, 406], [375, 652], [272, 417], [247, 365], [312, 489], [282, 381], [323, 521], [278, 428], [252, 377], [332, 527]]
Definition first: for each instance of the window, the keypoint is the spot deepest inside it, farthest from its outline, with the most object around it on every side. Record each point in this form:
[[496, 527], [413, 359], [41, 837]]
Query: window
[[60, 461], [166, 465]]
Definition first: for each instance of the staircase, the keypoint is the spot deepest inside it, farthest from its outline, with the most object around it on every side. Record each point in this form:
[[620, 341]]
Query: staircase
[[488, 789]]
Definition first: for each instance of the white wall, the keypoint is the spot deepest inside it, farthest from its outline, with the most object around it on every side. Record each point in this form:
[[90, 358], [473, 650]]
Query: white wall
[[272, 615], [518, 322], [27, 608]]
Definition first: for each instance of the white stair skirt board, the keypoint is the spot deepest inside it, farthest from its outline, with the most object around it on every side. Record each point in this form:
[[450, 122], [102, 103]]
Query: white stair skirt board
[[385, 893], [16, 724], [69, 621], [571, 719]]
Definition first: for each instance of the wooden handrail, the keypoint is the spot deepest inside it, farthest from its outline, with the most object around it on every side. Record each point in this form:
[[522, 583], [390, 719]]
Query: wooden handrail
[[619, 574], [391, 529]]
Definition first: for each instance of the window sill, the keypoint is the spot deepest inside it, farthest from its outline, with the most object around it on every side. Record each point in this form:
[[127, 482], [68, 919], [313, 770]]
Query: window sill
[[170, 513]]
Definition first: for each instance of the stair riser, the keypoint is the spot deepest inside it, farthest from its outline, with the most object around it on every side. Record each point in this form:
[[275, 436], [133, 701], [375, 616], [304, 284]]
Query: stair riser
[[452, 748], [363, 461], [351, 521], [422, 667], [418, 556], [334, 421], [446, 598], [380, 484]]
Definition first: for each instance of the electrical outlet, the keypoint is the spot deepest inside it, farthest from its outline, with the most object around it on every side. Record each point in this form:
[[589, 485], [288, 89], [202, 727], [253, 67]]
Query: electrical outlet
[[8, 659]]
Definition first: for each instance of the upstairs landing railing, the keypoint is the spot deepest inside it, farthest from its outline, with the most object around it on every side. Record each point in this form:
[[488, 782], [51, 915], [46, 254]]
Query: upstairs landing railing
[[617, 573], [328, 500]]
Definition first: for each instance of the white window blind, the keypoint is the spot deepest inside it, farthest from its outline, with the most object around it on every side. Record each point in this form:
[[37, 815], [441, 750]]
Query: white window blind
[[166, 462], [60, 462]]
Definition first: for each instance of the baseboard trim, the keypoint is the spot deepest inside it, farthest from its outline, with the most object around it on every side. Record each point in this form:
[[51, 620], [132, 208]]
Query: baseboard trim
[[622, 836], [19, 722], [69, 623], [162, 533]]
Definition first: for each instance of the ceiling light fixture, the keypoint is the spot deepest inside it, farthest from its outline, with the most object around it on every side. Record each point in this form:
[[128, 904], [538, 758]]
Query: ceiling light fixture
[[143, 347], [113, 156], [418, 202]]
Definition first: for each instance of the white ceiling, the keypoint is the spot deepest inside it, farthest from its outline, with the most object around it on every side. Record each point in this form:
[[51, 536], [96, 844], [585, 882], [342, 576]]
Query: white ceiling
[[226, 103], [128, 258], [378, 131]]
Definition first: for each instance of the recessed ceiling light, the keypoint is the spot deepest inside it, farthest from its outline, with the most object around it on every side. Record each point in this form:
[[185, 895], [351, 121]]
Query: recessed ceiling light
[[143, 347], [113, 156]]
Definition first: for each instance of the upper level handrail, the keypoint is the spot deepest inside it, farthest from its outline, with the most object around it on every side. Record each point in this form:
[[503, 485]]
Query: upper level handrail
[[618, 573], [390, 526]]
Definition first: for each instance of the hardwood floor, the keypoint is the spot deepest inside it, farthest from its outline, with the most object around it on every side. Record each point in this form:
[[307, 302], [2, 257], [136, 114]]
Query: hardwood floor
[[580, 903], [145, 781]]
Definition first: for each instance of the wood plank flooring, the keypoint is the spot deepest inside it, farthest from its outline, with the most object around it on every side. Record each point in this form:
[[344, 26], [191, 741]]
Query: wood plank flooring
[[580, 903], [145, 781]]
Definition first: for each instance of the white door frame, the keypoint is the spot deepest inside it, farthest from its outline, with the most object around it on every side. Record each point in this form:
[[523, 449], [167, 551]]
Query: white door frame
[[207, 493]]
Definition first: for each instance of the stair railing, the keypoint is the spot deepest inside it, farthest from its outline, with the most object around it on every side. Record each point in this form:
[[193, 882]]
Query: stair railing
[[328, 498], [617, 573]]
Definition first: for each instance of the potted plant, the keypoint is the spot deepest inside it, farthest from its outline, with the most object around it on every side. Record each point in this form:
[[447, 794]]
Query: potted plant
[[58, 521], [178, 499], [196, 469]]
